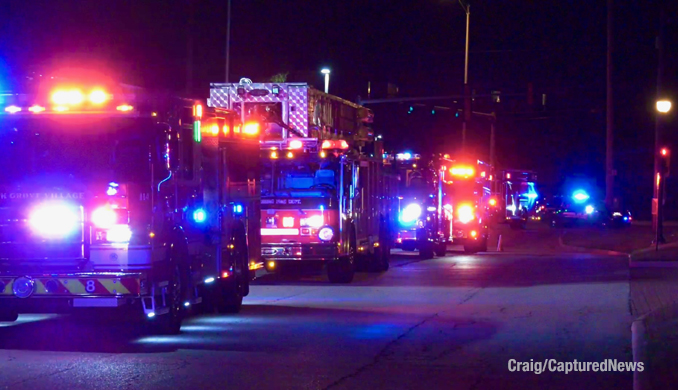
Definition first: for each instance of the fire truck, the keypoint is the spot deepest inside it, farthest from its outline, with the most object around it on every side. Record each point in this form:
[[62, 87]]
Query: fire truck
[[325, 197], [517, 190], [467, 199], [115, 197], [421, 224]]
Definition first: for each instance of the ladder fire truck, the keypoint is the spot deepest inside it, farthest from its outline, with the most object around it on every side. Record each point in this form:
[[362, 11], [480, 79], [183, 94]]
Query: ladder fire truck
[[466, 201], [113, 197], [324, 196], [421, 223]]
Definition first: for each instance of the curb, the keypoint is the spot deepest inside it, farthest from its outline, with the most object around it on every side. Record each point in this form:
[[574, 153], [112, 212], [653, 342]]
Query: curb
[[579, 249], [652, 264]]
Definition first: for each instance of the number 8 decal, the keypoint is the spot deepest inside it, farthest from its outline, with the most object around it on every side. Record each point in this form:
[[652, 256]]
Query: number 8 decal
[[90, 286]]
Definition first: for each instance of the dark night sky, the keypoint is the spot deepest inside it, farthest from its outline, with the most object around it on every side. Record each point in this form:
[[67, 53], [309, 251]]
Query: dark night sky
[[559, 46]]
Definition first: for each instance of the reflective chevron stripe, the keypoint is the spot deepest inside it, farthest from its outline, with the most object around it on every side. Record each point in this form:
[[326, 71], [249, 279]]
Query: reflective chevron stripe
[[70, 286]]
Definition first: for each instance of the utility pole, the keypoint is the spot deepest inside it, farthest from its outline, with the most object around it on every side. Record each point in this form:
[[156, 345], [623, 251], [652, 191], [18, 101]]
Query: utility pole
[[189, 50], [609, 139], [228, 40], [467, 94], [658, 177]]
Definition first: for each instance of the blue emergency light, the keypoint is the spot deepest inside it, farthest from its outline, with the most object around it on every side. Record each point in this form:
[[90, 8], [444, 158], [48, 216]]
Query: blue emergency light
[[237, 209], [199, 215]]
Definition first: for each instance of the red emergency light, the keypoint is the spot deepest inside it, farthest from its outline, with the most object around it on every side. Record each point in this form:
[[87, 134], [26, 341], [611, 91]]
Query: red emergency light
[[335, 144]]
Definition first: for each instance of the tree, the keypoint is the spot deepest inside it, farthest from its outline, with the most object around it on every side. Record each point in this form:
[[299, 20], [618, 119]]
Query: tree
[[279, 78]]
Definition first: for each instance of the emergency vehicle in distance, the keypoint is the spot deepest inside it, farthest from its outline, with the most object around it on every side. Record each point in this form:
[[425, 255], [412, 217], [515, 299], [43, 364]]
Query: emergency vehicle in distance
[[421, 224], [115, 197], [517, 189], [466, 197], [325, 197]]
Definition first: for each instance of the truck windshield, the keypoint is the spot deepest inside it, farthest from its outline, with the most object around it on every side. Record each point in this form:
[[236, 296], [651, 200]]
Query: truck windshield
[[280, 177], [72, 148]]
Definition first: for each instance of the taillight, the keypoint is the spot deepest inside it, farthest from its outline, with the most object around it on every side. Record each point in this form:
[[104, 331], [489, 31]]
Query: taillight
[[111, 225]]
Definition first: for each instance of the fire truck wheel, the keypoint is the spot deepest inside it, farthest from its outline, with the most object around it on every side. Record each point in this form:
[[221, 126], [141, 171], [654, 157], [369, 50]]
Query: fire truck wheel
[[8, 316], [426, 251], [340, 271], [441, 249], [170, 323]]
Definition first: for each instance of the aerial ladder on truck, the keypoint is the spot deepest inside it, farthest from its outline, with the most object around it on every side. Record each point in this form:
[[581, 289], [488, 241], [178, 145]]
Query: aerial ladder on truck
[[324, 200]]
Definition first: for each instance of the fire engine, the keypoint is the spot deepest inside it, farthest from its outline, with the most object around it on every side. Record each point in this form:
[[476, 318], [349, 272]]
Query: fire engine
[[421, 224], [325, 197], [466, 201], [114, 197], [519, 196]]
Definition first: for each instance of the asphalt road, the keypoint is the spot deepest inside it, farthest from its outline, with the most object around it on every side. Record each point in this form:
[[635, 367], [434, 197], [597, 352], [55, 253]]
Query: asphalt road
[[448, 323]]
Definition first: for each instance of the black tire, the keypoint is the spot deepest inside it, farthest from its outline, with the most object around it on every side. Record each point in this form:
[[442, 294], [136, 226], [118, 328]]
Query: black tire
[[235, 289], [8, 316], [340, 271], [426, 252], [441, 249], [170, 323]]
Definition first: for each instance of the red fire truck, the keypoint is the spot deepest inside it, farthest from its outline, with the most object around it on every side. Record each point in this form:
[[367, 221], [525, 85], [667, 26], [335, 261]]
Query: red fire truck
[[324, 198], [113, 197], [421, 224], [466, 202]]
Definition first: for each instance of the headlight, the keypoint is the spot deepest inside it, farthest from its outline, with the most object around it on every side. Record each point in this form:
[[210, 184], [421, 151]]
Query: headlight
[[326, 233], [315, 221], [410, 213], [54, 220], [104, 217], [465, 214]]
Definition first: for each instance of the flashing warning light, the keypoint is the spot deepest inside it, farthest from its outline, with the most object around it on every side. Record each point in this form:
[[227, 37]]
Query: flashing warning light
[[119, 233], [465, 213], [199, 215], [274, 154], [226, 129], [323, 154], [271, 264], [98, 96], [296, 144], [327, 144], [343, 144], [237, 209], [225, 274], [446, 156], [54, 220], [580, 196], [209, 280], [508, 175], [215, 130], [197, 110], [410, 213], [12, 109], [251, 129], [290, 155], [665, 152], [493, 202], [482, 174], [288, 222], [461, 171], [124, 108], [67, 97], [589, 209], [60, 108], [36, 109]]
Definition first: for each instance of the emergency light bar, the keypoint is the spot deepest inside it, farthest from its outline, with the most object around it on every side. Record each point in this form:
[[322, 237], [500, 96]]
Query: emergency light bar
[[334, 144], [462, 171], [93, 100]]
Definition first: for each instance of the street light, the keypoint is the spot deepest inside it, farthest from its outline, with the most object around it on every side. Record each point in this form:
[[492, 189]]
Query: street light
[[663, 106], [326, 72]]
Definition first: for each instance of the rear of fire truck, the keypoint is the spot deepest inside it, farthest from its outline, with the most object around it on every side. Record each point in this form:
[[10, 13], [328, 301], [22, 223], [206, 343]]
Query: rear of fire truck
[[319, 202], [465, 201], [420, 223], [94, 192]]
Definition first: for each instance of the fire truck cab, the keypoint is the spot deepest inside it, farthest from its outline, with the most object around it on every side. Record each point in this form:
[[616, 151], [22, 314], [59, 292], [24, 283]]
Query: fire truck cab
[[421, 223], [114, 197], [324, 201], [466, 197]]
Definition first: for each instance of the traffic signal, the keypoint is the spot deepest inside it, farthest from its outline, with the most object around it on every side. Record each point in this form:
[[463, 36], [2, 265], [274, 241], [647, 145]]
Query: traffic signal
[[665, 161], [410, 110]]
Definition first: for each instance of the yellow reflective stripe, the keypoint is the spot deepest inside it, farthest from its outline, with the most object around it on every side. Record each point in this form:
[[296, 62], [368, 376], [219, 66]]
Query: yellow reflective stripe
[[73, 286], [114, 288], [40, 287]]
